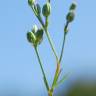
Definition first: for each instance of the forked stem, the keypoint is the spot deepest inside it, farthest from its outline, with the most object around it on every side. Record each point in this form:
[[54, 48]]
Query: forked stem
[[50, 93]]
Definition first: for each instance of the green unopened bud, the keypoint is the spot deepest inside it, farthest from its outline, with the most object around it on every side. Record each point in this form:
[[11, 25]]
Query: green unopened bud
[[39, 36], [70, 16], [37, 9], [46, 9], [31, 2], [73, 6], [31, 37], [35, 28]]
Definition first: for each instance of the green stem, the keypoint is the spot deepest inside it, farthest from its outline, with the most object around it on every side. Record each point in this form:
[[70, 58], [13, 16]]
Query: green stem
[[58, 65], [56, 76], [63, 44], [62, 50], [50, 93], [44, 76], [49, 38], [51, 44]]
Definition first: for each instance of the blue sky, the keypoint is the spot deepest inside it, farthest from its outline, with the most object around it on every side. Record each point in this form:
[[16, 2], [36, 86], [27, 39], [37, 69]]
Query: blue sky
[[19, 68]]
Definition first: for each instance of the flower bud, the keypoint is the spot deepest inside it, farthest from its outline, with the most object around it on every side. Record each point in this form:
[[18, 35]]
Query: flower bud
[[37, 9], [39, 35], [31, 37], [46, 9], [31, 2], [70, 16], [73, 6], [35, 28]]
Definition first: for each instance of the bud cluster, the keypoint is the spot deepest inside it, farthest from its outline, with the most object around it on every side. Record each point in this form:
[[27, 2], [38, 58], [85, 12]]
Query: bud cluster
[[70, 16], [45, 10], [35, 36]]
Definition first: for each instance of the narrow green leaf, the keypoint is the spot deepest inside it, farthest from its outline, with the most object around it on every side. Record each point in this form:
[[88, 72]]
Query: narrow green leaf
[[62, 80]]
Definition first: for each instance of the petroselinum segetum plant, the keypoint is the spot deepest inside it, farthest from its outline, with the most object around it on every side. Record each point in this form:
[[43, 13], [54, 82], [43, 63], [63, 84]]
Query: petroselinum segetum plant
[[35, 37]]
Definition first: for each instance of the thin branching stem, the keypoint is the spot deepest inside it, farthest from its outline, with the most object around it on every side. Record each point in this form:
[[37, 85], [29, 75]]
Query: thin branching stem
[[62, 50], [36, 9], [49, 38], [58, 70], [63, 44], [44, 76], [51, 44]]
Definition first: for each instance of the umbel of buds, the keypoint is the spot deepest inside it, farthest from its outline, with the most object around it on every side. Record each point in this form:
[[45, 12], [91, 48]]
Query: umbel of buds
[[46, 9], [36, 36], [70, 16], [31, 2]]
